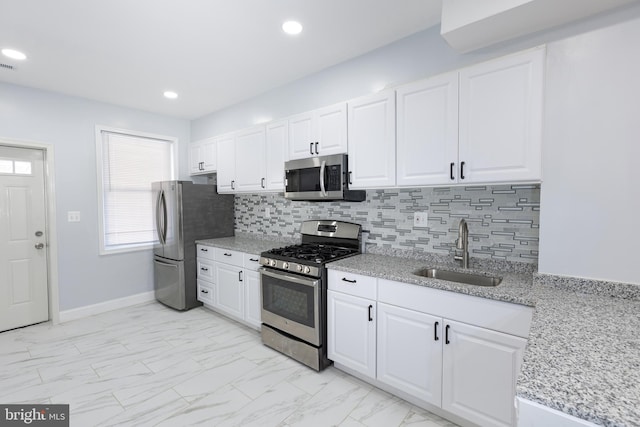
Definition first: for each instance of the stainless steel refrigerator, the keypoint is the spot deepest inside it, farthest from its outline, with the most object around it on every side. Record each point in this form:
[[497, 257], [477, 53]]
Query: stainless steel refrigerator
[[185, 212]]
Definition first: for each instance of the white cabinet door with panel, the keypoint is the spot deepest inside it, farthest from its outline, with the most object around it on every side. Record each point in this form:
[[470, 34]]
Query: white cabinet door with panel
[[501, 105], [202, 156], [250, 160], [252, 295], [410, 352], [372, 139], [427, 146], [229, 290], [226, 154], [277, 137], [479, 373], [318, 132], [351, 332]]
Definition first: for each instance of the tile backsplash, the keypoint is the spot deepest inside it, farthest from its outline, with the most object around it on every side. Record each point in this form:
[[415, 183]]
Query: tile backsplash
[[503, 220]]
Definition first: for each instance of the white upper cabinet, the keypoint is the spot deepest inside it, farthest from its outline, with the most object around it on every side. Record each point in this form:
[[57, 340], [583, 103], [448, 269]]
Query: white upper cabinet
[[277, 137], [250, 160], [202, 156], [226, 153], [372, 139], [427, 145], [318, 132], [501, 119]]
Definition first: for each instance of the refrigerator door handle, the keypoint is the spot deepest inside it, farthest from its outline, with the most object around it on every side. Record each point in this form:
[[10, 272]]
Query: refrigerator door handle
[[161, 212], [165, 263]]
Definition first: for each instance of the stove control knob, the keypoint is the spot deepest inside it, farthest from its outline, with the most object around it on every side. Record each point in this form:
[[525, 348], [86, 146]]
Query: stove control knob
[[285, 265], [272, 263], [299, 267], [307, 270]]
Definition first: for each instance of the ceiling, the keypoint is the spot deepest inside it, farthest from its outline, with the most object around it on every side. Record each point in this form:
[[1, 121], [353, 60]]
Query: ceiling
[[213, 53]]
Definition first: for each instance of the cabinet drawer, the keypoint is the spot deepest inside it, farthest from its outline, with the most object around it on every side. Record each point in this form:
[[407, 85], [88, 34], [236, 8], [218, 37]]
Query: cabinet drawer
[[353, 284], [205, 292], [229, 257], [205, 269], [204, 251], [251, 262]]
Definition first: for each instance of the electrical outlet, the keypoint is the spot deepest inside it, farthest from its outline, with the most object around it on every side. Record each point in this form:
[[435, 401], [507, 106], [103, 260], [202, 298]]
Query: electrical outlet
[[420, 219], [73, 216], [267, 212]]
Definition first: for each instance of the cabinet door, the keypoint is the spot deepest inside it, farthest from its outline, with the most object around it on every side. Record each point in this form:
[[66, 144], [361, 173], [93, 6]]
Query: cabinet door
[[228, 290], [479, 373], [276, 154], [372, 139], [427, 145], [250, 163], [301, 142], [351, 332], [410, 352], [208, 155], [330, 130], [226, 153], [253, 304], [196, 165], [501, 119]]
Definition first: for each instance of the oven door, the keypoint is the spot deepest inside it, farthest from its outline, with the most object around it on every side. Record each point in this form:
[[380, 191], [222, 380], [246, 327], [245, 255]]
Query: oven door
[[292, 304]]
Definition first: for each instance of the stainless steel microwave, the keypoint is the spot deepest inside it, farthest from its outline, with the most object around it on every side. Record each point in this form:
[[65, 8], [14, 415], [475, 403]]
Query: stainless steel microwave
[[320, 178]]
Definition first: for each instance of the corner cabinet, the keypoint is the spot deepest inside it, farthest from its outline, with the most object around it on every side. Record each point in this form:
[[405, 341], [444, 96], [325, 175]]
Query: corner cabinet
[[372, 139], [202, 156], [229, 283], [450, 353], [318, 132]]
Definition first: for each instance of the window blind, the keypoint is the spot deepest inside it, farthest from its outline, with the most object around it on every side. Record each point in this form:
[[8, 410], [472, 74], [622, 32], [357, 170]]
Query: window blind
[[130, 163]]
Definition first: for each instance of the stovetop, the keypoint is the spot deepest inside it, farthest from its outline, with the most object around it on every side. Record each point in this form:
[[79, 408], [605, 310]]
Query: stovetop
[[311, 252]]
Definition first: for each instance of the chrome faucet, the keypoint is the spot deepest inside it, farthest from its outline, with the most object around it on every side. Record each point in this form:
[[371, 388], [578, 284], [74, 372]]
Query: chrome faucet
[[462, 244]]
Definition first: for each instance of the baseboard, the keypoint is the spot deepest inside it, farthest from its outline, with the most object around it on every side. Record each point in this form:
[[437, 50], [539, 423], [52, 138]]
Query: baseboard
[[102, 307]]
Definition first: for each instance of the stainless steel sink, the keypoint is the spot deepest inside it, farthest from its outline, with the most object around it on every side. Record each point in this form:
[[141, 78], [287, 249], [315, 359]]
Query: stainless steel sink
[[454, 276]]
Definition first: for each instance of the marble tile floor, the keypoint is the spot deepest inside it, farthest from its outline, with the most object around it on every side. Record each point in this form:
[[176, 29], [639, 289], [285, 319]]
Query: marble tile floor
[[149, 365]]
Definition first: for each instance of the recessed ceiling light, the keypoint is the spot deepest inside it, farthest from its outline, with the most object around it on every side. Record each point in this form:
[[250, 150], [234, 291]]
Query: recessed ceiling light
[[171, 95], [14, 54], [292, 27]]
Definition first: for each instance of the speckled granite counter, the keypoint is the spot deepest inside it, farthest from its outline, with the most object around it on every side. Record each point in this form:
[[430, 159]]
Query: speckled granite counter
[[583, 352], [246, 243]]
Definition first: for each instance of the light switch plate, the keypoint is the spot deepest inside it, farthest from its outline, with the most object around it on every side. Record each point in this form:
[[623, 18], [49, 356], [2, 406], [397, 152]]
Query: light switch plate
[[420, 219], [267, 212], [73, 216]]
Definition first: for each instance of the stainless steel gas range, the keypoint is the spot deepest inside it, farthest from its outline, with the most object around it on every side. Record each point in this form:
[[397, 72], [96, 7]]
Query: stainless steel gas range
[[294, 289]]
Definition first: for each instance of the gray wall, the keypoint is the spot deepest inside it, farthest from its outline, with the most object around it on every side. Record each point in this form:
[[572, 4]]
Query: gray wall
[[68, 124]]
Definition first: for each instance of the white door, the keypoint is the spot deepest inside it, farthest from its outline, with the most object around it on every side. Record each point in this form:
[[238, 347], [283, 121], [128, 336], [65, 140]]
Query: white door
[[277, 154], [410, 352], [501, 119], [24, 298], [330, 131], [351, 332], [372, 141], [250, 164], [226, 154], [428, 131], [479, 373], [301, 144], [252, 301], [228, 290]]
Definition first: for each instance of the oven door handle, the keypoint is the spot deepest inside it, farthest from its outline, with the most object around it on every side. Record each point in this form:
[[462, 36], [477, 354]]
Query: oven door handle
[[288, 277], [322, 169]]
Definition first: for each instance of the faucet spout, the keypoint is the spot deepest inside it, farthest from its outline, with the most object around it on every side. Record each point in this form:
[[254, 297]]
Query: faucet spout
[[462, 244]]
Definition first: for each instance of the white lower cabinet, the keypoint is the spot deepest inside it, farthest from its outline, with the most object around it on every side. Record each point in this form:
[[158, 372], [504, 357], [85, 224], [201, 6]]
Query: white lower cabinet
[[410, 352], [404, 338], [479, 373], [229, 283], [351, 332]]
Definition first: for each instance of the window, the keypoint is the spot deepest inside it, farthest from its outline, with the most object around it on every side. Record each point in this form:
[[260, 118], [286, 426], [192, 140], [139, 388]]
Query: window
[[127, 163]]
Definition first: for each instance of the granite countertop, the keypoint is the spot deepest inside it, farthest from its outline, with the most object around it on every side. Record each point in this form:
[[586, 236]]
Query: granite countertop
[[583, 352], [246, 243]]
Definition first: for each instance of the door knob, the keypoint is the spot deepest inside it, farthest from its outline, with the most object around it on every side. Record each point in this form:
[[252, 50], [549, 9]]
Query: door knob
[[39, 245]]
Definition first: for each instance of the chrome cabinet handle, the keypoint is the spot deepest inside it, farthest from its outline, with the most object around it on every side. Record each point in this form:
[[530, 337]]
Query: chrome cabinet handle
[[39, 245], [233, 184]]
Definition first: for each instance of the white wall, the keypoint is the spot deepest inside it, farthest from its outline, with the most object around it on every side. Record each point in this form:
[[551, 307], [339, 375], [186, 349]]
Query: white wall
[[68, 124], [590, 199]]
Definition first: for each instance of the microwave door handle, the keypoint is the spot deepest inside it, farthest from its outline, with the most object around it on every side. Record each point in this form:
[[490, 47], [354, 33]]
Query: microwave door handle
[[322, 168]]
